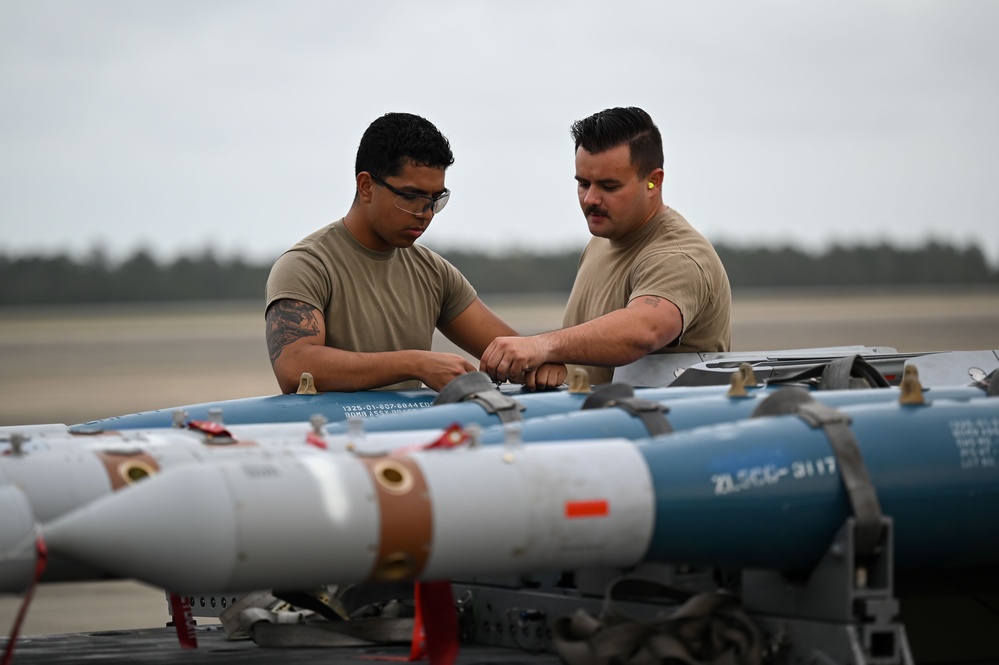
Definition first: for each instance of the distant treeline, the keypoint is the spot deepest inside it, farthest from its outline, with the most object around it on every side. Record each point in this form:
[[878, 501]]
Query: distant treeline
[[43, 280]]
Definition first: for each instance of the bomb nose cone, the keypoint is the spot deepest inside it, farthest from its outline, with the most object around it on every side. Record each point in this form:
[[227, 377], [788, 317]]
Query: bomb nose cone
[[129, 534], [289, 520]]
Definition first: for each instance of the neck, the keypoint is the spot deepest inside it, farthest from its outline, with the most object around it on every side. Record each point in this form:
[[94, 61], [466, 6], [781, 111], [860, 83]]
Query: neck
[[357, 226]]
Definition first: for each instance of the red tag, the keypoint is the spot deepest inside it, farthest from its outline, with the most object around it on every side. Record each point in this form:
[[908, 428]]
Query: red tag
[[183, 621], [209, 427], [314, 439], [452, 437], [579, 509]]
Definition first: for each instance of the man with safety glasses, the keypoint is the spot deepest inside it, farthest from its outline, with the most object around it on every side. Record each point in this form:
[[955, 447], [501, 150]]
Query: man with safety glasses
[[356, 303]]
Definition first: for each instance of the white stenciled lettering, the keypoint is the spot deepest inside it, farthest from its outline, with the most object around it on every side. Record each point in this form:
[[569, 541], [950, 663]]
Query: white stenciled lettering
[[763, 476], [748, 478], [381, 409], [723, 484], [976, 441]]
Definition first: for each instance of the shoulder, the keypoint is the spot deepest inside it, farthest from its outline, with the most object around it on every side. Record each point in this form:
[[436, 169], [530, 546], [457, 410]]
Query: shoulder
[[318, 242], [327, 235], [674, 234], [327, 245], [424, 253]]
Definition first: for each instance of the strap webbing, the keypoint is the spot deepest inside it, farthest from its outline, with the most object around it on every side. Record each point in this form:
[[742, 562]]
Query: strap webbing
[[622, 396], [851, 372], [183, 621], [435, 606], [863, 498], [477, 387], [652, 414], [706, 629], [836, 426], [267, 632], [991, 383], [506, 408], [432, 632], [846, 373]]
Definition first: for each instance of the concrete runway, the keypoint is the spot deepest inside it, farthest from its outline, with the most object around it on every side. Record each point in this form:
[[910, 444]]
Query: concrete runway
[[74, 364]]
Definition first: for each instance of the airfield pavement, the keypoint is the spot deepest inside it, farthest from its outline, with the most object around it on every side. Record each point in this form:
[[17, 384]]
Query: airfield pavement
[[72, 364]]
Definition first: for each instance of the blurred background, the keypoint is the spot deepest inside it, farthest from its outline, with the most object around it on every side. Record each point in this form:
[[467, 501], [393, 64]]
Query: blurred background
[[157, 156], [182, 125]]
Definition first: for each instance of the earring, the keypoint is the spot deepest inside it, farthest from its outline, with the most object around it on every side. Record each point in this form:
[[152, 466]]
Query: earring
[[652, 185]]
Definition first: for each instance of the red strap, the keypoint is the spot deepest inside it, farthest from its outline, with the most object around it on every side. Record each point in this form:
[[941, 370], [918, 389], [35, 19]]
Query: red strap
[[435, 602], [183, 621], [418, 646], [41, 559], [435, 627]]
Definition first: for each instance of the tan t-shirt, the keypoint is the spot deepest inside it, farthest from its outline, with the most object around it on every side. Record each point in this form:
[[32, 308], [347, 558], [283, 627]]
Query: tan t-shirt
[[372, 301], [668, 258]]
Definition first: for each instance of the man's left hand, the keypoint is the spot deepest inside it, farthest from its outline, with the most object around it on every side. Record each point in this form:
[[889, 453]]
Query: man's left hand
[[547, 377], [511, 358]]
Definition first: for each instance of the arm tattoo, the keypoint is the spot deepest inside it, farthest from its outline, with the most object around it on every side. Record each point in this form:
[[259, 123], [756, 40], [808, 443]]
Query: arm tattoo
[[289, 321], [652, 301]]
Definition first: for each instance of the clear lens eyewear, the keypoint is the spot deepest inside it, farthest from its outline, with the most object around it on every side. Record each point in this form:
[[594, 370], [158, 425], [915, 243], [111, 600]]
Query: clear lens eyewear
[[415, 204]]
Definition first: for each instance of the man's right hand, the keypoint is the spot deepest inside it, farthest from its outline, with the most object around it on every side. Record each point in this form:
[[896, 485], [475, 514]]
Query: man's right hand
[[442, 368]]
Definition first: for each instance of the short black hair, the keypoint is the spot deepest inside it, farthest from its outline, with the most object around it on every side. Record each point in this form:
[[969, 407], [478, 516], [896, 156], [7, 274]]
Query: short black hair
[[613, 127], [396, 138]]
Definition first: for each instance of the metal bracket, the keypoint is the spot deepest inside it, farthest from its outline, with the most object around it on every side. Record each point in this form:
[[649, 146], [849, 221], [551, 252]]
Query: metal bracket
[[844, 609]]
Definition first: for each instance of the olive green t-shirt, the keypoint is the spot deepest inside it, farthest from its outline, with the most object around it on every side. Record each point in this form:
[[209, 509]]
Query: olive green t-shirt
[[372, 301], [668, 258]]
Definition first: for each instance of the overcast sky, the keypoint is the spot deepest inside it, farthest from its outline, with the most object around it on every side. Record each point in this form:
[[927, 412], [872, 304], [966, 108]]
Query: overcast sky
[[178, 125]]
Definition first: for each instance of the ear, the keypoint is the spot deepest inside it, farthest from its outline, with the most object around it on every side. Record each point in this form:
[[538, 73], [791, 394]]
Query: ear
[[365, 185], [655, 180]]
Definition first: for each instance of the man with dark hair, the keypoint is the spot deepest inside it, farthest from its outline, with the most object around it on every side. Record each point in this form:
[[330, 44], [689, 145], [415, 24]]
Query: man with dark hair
[[356, 303], [647, 282]]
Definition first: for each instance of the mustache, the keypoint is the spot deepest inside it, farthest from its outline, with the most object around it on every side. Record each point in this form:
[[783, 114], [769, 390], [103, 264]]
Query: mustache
[[594, 210]]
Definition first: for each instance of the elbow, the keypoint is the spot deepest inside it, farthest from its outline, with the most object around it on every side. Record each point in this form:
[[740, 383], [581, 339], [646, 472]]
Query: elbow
[[288, 388], [646, 344], [287, 382], [650, 341], [288, 375]]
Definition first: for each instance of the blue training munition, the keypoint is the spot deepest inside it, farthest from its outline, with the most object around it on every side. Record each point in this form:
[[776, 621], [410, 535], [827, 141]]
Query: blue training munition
[[617, 411], [769, 492]]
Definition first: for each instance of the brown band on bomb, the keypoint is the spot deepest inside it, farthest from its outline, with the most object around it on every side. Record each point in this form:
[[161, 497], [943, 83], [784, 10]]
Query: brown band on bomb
[[126, 468], [406, 518]]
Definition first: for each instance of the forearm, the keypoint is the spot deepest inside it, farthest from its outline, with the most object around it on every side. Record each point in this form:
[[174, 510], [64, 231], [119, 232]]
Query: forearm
[[475, 328], [336, 370], [612, 340]]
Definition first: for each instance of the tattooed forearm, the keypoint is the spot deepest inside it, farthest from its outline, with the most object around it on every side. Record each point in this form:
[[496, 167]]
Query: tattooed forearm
[[288, 321]]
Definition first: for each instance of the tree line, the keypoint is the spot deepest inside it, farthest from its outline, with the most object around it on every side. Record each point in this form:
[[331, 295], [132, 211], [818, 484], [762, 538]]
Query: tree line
[[44, 280]]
